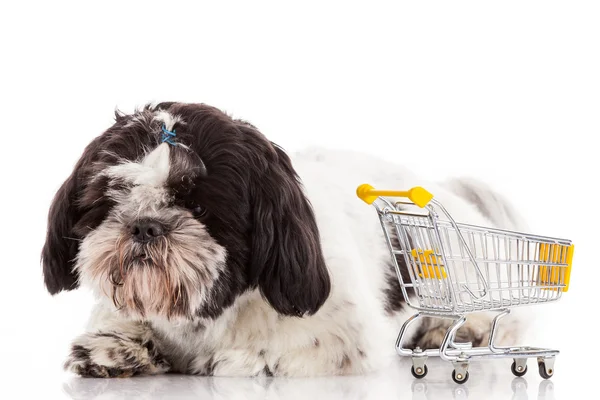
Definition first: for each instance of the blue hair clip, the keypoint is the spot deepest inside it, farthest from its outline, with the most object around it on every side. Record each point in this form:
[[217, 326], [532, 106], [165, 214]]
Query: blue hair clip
[[168, 136]]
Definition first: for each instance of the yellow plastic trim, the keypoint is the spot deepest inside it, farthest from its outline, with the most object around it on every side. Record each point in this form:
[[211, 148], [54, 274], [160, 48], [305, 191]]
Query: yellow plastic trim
[[570, 252], [417, 195], [433, 267], [551, 253]]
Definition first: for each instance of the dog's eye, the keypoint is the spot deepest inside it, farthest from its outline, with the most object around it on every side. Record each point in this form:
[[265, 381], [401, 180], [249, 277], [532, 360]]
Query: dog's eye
[[199, 211]]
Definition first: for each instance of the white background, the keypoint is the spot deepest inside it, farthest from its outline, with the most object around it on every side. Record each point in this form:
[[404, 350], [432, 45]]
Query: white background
[[505, 91]]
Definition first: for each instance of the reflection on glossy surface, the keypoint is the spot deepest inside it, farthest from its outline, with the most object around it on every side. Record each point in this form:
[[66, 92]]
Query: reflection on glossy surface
[[460, 392], [185, 387], [519, 388], [546, 390], [420, 391], [488, 380]]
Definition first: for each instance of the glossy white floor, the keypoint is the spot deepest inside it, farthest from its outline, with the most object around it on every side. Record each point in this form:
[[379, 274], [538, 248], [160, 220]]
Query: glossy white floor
[[32, 368], [488, 379]]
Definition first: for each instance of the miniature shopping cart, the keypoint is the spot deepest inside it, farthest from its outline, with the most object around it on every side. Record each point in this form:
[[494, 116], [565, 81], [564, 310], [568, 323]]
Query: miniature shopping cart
[[448, 270]]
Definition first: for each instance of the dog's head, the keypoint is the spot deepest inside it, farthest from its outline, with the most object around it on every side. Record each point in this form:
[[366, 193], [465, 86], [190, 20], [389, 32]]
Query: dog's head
[[181, 226]]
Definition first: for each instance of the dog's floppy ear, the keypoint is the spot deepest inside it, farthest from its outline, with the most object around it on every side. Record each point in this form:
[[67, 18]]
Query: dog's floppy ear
[[63, 235], [287, 260], [60, 248]]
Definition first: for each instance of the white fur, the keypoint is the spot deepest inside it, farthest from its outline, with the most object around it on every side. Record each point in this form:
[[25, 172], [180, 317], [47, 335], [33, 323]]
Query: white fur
[[152, 171], [168, 119], [351, 333]]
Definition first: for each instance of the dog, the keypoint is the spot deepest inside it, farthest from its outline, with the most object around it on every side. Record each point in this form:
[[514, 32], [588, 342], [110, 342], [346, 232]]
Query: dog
[[212, 251]]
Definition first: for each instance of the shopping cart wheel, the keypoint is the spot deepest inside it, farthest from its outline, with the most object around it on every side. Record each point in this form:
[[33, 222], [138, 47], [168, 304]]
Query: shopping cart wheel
[[545, 373], [460, 378], [518, 370], [419, 372]]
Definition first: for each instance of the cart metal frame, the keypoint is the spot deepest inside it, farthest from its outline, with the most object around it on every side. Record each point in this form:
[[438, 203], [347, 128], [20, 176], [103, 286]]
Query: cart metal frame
[[456, 269]]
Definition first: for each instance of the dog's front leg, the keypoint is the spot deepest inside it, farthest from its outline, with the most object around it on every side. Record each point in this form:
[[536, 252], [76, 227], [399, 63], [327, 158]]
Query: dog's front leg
[[115, 348]]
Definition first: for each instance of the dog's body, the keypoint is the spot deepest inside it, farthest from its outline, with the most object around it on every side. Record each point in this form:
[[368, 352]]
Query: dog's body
[[259, 285]]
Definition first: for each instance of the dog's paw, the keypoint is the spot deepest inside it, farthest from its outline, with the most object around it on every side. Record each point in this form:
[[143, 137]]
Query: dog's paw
[[109, 355]]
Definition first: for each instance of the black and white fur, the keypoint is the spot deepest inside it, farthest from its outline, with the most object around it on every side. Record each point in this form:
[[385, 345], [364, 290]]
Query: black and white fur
[[247, 276]]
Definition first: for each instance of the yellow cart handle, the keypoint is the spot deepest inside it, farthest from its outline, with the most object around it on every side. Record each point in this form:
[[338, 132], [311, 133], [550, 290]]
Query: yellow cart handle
[[417, 195]]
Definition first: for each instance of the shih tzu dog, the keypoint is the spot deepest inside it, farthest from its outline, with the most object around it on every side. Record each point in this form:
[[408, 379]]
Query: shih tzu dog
[[212, 252]]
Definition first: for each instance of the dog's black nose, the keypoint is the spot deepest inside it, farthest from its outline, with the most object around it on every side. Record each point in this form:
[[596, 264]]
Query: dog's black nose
[[145, 230]]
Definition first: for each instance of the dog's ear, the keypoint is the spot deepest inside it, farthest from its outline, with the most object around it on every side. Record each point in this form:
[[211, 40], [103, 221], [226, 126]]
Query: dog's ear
[[287, 261], [63, 234], [61, 246]]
